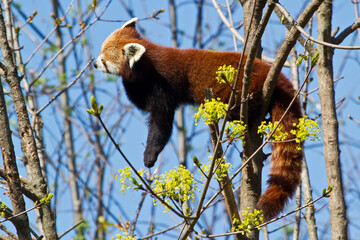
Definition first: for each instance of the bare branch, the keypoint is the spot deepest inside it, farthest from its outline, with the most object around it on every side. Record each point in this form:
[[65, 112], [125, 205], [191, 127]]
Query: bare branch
[[66, 88], [227, 23], [284, 51], [263, 224], [7, 148], [70, 229], [349, 30], [27, 138], [70, 42], [353, 119], [337, 205], [328, 44]]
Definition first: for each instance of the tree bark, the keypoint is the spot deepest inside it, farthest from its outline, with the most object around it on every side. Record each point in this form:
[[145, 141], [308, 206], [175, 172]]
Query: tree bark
[[28, 144], [229, 198], [337, 205], [250, 29], [12, 179], [68, 135], [251, 174]]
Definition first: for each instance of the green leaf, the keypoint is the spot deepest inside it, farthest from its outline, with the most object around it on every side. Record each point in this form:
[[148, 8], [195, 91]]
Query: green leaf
[[314, 59], [196, 162], [96, 110], [326, 192], [93, 102]]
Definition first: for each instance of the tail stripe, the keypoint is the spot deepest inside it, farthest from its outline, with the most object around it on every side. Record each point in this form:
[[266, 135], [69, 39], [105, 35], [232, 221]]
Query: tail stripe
[[286, 159]]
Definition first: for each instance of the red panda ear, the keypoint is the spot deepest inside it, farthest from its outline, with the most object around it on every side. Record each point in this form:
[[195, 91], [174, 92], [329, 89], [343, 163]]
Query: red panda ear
[[131, 23], [133, 52]]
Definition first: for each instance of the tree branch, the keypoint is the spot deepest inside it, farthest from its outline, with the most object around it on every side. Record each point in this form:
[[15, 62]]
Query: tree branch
[[355, 26], [27, 139], [328, 44], [330, 128], [284, 51], [21, 222]]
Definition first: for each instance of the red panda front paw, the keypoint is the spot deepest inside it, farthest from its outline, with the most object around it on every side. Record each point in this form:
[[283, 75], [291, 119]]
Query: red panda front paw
[[149, 163], [149, 159]]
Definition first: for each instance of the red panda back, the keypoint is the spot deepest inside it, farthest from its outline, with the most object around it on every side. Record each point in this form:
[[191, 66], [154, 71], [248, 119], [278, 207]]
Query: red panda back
[[205, 64], [286, 159], [200, 67]]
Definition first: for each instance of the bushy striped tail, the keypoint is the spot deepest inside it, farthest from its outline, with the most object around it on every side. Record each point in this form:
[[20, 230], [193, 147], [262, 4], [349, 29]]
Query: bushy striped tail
[[286, 160]]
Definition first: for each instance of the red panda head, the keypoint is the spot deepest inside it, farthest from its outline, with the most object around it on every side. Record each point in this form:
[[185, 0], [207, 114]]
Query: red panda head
[[121, 50]]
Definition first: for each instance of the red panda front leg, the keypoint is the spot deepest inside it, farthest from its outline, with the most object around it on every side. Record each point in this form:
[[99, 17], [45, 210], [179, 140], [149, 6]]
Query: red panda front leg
[[160, 127]]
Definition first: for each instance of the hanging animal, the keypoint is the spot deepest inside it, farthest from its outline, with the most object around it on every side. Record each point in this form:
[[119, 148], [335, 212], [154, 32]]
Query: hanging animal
[[158, 79]]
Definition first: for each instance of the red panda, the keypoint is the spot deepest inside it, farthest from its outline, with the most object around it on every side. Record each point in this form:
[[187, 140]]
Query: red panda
[[158, 79]]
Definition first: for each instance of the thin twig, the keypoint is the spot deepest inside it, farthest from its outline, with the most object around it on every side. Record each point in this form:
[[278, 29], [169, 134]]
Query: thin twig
[[64, 89], [314, 90], [228, 6], [48, 36], [302, 30], [137, 214], [263, 224], [227, 23], [147, 187], [353, 119], [39, 45], [70, 42], [71, 228], [16, 215], [161, 232]]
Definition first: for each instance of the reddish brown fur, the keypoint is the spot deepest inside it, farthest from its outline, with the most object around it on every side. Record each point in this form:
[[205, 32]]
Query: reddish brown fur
[[170, 77]]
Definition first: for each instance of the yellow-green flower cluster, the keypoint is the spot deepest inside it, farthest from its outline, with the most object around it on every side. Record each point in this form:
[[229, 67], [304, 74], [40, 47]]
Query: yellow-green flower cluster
[[306, 129], [211, 111], [123, 236], [250, 220], [203, 168], [3, 208], [178, 185], [103, 224], [126, 179], [236, 129], [226, 74], [222, 169], [266, 127]]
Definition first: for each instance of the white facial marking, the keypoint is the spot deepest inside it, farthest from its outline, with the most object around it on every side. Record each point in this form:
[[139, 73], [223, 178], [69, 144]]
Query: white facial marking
[[106, 66], [131, 21], [112, 68], [133, 52], [99, 64]]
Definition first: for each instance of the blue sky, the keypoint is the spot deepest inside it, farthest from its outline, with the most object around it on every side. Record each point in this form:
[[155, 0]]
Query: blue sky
[[157, 30]]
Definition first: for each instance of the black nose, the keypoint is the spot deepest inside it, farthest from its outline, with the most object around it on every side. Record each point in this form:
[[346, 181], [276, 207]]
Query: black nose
[[95, 65]]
